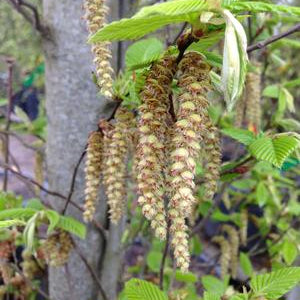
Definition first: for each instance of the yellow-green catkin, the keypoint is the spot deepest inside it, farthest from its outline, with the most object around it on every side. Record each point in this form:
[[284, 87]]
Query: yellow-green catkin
[[57, 248], [96, 14], [234, 241], [152, 127], [253, 97], [38, 169], [212, 150], [240, 111], [29, 265], [116, 163], [244, 227], [94, 159], [192, 106], [225, 254]]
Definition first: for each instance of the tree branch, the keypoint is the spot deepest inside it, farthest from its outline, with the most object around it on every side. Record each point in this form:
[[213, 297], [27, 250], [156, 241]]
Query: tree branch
[[263, 44]]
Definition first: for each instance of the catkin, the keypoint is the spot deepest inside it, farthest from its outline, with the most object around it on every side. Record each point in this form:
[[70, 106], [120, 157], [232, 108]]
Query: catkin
[[225, 254], [38, 170], [151, 146], [192, 105], [29, 265], [240, 111], [96, 13], [93, 168], [233, 236], [244, 227], [115, 163], [253, 95]]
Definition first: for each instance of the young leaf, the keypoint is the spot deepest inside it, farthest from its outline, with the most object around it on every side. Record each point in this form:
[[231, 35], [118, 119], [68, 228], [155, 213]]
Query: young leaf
[[289, 251], [35, 204], [186, 277], [17, 213], [275, 284], [211, 296], [207, 41], [73, 226], [274, 150], [137, 289], [244, 136], [143, 53], [254, 7], [246, 264], [153, 260], [262, 194], [213, 285], [271, 91], [9, 223], [53, 218]]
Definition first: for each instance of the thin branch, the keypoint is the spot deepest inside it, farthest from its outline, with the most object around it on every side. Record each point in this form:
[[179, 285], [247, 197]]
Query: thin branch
[[180, 33], [72, 187], [263, 44], [91, 270], [8, 120], [163, 260]]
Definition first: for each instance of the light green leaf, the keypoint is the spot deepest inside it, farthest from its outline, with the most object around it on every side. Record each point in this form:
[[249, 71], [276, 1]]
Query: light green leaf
[[9, 223], [207, 41], [29, 231], [213, 285], [254, 7], [275, 284], [137, 289], [35, 204], [239, 297], [288, 98], [143, 53], [246, 264], [289, 124], [262, 194], [271, 91], [292, 83], [73, 226], [289, 251], [274, 150], [17, 213], [211, 296], [153, 260], [244, 136], [186, 277], [53, 218]]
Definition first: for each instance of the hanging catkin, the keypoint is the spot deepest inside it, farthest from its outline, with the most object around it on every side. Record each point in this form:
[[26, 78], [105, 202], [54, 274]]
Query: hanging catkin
[[225, 254], [192, 105], [115, 163], [233, 236], [244, 227], [38, 169], [93, 168], [96, 13], [240, 110], [253, 105], [151, 146]]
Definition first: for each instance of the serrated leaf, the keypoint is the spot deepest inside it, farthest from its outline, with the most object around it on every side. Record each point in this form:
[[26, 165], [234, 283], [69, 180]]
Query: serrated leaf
[[9, 223], [53, 218], [254, 7], [274, 150], [213, 285], [275, 284], [186, 277], [239, 297], [246, 264], [137, 289], [71, 225], [211, 296], [245, 137], [17, 213], [150, 19], [289, 251], [262, 194], [143, 53]]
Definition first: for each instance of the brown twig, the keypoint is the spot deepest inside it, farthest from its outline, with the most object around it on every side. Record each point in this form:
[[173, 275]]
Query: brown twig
[[91, 270], [163, 260], [72, 187], [8, 120], [263, 44]]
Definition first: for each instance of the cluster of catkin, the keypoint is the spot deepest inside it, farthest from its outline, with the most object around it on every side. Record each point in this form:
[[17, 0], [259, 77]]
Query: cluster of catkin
[[229, 250], [248, 110], [96, 13], [170, 134]]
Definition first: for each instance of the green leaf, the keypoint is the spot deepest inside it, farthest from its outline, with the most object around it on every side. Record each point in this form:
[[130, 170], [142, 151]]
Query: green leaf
[[289, 251], [275, 284], [137, 289], [17, 213], [143, 53], [287, 98], [289, 124], [262, 194], [35, 204], [207, 41], [246, 264], [73, 226], [213, 285], [150, 19], [153, 260], [211, 296], [186, 277], [254, 7], [239, 297], [53, 218], [9, 223], [244, 136], [271, 91], [274, 150]]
